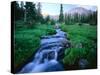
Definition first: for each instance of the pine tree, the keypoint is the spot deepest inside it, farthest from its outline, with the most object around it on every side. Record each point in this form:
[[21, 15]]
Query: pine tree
[[76, 17], [16, 10], [25, 14], [22, 10], [61, 16], [47, 19], [39, 15], [31, 15], [66, 18], [95, 17]]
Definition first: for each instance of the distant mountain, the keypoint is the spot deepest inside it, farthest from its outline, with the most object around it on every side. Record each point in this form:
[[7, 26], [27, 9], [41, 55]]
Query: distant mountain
[[73, 11], [55, 17], [80, 11]]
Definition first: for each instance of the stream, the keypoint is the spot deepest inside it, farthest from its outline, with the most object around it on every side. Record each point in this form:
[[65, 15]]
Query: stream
[[50, 52]]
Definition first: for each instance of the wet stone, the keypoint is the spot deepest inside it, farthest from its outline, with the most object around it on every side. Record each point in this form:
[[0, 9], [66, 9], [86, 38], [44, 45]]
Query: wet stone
[[83, 63]]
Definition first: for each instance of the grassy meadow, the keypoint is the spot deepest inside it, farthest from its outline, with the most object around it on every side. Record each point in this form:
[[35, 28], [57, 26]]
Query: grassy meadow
[[83, 45], [27, 41]]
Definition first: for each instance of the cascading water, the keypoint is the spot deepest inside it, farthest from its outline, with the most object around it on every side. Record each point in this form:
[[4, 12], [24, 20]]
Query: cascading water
[[46, 59]]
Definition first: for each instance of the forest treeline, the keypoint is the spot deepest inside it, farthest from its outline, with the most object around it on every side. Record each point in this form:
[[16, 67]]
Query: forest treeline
[[30, 13]]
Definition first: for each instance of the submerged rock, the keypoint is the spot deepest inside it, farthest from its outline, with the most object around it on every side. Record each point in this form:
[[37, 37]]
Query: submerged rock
[[83, 63]]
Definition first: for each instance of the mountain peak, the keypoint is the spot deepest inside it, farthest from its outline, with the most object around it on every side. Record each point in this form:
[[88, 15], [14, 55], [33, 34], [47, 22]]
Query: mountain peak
[[79, 10]]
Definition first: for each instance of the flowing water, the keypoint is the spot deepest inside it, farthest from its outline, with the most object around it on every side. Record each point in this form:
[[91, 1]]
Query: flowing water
[[47, 57]]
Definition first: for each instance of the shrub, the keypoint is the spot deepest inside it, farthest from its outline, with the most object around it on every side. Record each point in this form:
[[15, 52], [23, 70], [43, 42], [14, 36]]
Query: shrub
[[73, 55]]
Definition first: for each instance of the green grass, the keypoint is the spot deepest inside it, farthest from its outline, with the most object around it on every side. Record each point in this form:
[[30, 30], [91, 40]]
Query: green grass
[[27, 40], [72, 54], [85, 35]]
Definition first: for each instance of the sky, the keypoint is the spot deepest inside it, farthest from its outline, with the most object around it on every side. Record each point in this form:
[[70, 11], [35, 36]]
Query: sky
[[54, 9]]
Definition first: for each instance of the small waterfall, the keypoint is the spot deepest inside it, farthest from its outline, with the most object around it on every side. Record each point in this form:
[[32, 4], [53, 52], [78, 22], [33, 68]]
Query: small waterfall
[[46, 59]]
